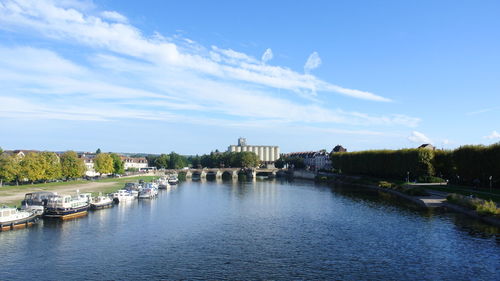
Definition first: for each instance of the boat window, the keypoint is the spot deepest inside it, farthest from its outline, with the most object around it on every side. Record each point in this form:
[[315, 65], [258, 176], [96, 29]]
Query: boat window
[[66, 200]]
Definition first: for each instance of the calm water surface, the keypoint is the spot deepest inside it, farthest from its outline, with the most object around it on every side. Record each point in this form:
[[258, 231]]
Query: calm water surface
[[261, 230]]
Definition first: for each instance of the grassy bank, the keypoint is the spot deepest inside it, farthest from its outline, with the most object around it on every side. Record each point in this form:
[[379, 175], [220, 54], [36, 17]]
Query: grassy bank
[[115, 184]]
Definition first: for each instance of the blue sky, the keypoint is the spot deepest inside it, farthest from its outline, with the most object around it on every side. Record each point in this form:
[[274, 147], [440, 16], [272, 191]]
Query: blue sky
[[193, 76]]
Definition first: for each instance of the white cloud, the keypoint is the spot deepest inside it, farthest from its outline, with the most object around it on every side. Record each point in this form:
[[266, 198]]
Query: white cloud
[[446, 141], [114, 16], [493, 135], [313, 62], [71, 24], [418, 137], [267, 56], [171, 82]]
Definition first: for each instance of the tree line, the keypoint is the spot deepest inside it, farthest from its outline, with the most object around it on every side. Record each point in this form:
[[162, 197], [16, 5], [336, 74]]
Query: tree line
[[46, 166], [470, 164], [213, 160]]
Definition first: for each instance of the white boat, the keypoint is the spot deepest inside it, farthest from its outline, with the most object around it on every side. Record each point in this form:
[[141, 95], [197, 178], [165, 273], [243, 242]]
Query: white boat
[[101, 202], [123, 195], [163, 183], [67, 206], [173, 180], [36, 201], [148, 191], [11, 218]]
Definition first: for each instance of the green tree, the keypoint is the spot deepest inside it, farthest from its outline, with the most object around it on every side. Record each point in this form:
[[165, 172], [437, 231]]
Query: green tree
[[103, 163], [32, 167], [162, 162], [9, 168], [280, 163], [176, 161], [98, 151], [71, 165], [52, 165], [118, 166]]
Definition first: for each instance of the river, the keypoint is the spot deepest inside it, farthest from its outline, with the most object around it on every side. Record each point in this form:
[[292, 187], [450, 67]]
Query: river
[[255, 230]]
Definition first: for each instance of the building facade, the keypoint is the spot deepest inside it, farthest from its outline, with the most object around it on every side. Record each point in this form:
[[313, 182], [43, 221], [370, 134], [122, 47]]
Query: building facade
[[266, 153], [313, 160], [134, 162]]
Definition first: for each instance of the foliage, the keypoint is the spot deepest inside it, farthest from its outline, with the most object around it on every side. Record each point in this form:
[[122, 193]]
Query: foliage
[[176, 161], [103, 163], [51, 165], [410, 190], [385, 163], [9, 168], [71, 165], [244, 159], [294, 162], [483, 207], [98, 151], [118, 165], [280, 163], [131, 169], [162, 162], [32, 167], [476, 163]]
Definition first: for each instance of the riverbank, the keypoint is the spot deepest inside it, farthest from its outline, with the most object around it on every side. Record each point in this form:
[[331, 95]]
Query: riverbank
[[13, 195], [436, 199]]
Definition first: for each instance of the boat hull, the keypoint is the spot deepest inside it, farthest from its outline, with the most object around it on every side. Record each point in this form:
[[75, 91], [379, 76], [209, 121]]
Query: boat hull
[[101, 206], [64, 214], [20, 223]]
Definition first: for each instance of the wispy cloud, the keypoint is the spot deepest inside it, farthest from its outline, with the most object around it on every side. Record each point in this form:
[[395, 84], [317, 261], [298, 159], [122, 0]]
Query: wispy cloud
[[418, 137], [125, 75], [481, 111], [267, 56], [71, 24], [313, 62], [494, 135]]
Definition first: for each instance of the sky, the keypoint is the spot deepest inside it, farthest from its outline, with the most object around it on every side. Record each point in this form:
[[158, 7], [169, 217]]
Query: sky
[[194, 76]]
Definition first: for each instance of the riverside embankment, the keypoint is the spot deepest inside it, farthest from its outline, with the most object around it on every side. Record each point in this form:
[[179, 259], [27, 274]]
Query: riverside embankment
[[433, 200]]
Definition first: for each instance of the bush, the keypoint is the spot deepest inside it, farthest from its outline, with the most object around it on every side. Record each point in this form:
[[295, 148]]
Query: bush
[[385, 184], [481, 206], [430, 179]]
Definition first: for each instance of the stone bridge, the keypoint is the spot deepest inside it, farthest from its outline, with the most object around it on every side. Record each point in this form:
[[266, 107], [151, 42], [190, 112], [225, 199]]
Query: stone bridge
[[218, 173]]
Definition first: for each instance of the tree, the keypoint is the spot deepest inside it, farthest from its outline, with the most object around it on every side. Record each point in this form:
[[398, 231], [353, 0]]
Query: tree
[[118, 166], [103, 163], [9, 168], [71, 165], [51, 165], [162, 162], [32, 167], [280, 163], [98, 151], [176, 161]]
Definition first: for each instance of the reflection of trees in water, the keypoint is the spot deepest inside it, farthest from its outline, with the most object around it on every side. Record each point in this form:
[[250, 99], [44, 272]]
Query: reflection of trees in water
[[472, 226]]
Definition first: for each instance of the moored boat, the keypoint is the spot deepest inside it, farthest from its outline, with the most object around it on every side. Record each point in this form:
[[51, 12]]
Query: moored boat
[[123, 195], [101, 202], [163, 183], [11, 218], [148, 191], [36, 201], [173, 180], [66, 207]]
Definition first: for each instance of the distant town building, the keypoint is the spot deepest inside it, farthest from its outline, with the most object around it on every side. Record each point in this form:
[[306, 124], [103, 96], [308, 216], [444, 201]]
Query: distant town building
[[134, 162], [339, 148], [427, 146], [20, 153], [314, 160], [267, 154], [88, 159]]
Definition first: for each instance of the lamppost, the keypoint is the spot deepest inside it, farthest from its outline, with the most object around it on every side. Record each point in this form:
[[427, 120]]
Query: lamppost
[[491, 177], [408, 177]]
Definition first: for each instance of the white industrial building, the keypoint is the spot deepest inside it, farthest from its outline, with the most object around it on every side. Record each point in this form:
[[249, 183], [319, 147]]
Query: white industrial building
[[266, 153]]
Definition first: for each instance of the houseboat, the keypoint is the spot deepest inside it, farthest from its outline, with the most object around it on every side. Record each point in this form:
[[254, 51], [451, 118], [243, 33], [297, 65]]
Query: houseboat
[[11, 218], [66, 207], [36, 201]]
